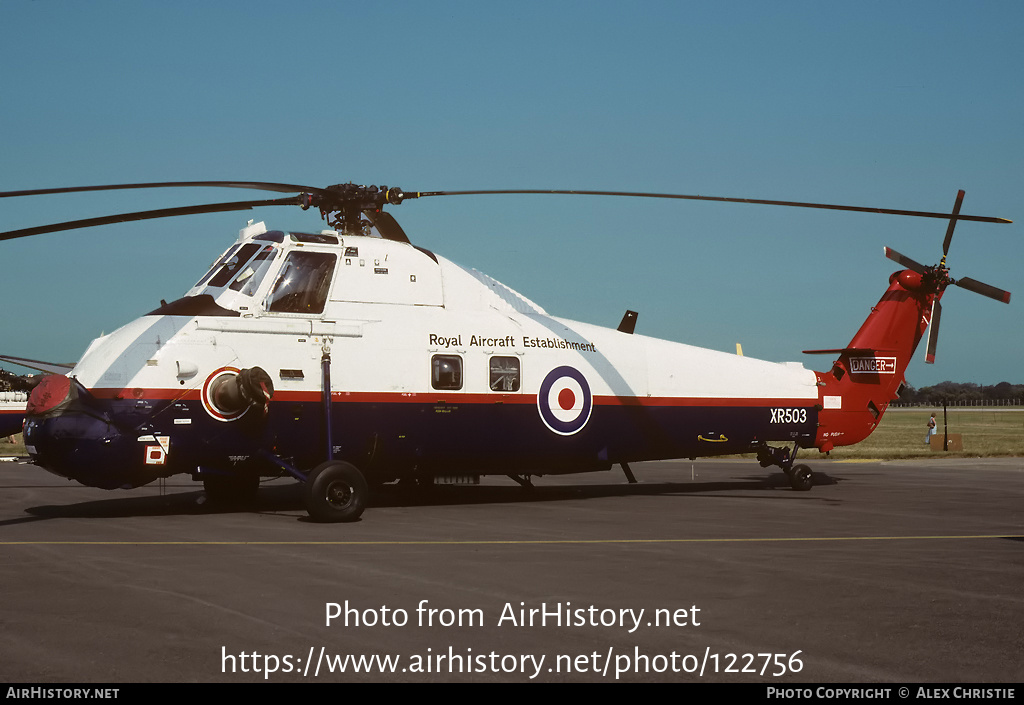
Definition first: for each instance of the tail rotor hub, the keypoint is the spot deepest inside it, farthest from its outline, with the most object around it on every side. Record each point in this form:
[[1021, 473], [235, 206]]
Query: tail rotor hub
[[936, 278]]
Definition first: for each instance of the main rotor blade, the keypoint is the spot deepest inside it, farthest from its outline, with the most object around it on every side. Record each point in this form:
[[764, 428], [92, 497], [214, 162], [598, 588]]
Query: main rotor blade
[[933, 332], [984, 289], [904, 260], [722, 199], [255, 185], [53, 368], [147, 215], [293, 188], [952, 222]]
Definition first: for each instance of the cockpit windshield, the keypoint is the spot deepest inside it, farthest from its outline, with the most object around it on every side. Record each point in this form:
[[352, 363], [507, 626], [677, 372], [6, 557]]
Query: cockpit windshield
[[233, 264], [217, 265], [251, 276], [303, 284]]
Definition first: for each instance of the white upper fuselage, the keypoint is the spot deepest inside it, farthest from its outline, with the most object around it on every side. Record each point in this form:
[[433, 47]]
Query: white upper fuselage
[[386, 310]]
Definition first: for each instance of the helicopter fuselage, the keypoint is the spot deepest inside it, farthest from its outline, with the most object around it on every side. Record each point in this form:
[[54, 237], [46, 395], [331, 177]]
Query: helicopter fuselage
[[430, 369]]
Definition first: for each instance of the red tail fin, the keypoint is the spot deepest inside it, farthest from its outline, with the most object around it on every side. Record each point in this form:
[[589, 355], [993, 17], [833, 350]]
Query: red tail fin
[[870, 370]]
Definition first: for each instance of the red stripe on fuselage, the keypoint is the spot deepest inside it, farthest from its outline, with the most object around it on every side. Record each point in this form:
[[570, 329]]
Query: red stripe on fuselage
[[285, 395]]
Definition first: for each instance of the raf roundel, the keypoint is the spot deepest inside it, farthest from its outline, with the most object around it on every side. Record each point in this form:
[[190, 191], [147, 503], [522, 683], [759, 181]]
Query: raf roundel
[[564, 400]]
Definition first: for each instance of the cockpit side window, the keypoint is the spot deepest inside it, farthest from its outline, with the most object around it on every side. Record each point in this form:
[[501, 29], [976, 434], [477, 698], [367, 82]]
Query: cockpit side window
[[233, 264], [217, 265], [251, 276], [303, 284]]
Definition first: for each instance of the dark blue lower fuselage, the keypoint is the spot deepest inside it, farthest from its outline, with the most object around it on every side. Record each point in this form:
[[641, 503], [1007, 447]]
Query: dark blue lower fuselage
[[111, 443]]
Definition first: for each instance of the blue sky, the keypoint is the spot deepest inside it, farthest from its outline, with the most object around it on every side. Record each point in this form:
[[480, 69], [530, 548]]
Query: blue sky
[[877, 104]]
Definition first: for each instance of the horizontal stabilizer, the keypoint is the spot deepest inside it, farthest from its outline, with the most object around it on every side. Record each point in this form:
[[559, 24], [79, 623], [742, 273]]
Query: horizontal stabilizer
[[840, 351]]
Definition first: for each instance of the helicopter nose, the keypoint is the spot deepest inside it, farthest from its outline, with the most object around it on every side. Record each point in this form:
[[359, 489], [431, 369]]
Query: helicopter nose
[[67, 434]]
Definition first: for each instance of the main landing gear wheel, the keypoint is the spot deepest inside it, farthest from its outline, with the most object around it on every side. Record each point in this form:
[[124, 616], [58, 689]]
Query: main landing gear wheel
[[335, 492], [800, 478]]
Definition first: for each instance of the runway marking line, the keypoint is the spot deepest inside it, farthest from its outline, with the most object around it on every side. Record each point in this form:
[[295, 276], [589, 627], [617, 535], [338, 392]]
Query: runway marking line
[[492, 542]]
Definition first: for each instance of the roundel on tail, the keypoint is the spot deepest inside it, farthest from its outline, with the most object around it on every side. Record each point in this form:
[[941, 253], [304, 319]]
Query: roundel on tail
[[564, 400]]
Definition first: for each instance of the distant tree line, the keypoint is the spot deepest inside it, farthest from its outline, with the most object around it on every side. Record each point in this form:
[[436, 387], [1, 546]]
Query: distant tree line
[[964, 394]]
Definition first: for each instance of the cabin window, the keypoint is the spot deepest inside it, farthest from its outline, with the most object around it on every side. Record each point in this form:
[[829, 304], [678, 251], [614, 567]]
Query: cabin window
[[446, 372], [251, 276], [303, 283], [504, 374]]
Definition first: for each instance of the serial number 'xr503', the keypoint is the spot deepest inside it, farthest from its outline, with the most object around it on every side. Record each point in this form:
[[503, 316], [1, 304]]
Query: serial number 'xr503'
[[789, 415]]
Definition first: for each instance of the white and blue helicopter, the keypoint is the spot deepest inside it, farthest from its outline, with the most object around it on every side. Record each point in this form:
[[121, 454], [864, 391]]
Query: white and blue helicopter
[[350, 357]]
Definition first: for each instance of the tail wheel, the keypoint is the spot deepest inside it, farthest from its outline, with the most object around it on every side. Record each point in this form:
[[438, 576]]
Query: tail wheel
[[336, 492], [800, 478]]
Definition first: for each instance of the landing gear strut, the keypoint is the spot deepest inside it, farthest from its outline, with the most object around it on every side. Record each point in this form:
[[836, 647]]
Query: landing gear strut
[[335, 491], [800, 476], [524, 481]]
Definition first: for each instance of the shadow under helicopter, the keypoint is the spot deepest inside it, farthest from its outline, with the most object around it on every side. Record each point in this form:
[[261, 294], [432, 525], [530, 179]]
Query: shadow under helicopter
[[287, 499]]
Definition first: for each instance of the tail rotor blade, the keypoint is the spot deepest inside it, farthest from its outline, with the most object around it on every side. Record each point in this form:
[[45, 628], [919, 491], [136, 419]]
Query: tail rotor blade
[[933, 332], [952, 222], [984, 289], [904, 260]]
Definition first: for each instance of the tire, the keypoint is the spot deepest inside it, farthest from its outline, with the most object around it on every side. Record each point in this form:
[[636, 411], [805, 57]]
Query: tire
[[800, 478], [336, 492]]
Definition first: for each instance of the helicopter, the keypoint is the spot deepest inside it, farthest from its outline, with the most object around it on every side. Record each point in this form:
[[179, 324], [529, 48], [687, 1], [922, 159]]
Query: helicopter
[[350, 357]]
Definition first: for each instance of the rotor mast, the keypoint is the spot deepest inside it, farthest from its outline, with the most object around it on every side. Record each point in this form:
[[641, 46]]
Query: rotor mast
[[343, 205]]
